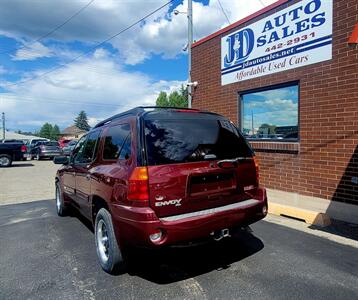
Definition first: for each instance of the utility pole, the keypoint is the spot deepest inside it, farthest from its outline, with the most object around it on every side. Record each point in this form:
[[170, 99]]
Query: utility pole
[[190, 42], [252, 122], [3, 126]]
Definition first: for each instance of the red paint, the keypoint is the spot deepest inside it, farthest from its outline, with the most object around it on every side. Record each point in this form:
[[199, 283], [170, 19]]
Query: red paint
[[240, 22], [354, 37], [132, 192]]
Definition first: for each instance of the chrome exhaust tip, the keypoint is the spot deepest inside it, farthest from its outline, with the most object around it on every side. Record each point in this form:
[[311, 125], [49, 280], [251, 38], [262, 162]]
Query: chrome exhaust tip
[[220, 234]]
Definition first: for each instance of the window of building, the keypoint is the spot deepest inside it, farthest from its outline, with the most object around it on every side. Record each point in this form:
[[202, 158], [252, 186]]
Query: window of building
[[117, 141], [270, 113]]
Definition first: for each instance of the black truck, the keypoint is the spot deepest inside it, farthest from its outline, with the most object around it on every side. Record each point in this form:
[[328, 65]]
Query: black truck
[[10, 152]]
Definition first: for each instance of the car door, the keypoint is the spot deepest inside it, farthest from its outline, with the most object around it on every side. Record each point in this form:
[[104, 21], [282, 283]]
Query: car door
[[83, 164], [69, 175]]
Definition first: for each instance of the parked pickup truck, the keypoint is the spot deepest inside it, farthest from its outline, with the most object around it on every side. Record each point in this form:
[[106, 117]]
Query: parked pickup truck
[[10, 152]]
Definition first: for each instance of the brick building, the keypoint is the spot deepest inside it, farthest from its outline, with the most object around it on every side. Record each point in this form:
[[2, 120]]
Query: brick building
[[288, 77]]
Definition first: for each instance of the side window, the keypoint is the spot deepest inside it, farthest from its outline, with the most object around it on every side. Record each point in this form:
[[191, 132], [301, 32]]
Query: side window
[[126, 148], [88, 149], [117, 137]]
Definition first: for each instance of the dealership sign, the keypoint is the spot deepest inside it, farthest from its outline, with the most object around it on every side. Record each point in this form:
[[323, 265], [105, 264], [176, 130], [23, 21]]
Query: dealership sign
[[297, 36]]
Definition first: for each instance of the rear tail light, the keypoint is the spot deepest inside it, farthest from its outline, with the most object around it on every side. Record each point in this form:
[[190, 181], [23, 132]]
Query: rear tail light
[[257, 169], [23, 148], [138, 185]]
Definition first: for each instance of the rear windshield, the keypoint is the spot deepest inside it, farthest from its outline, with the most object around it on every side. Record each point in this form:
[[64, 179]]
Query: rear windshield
[[178, 141], [51, 144]]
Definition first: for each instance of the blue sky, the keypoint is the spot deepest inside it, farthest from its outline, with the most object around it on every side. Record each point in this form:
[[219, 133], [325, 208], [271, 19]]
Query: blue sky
[[127, 71]]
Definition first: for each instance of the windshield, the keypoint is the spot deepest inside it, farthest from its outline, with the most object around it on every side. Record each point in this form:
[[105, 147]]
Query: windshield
[[177, 141]]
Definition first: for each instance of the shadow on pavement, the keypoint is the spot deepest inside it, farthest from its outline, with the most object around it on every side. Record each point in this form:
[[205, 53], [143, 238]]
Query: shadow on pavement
[[20, 165], [168, 265], [172, 264]]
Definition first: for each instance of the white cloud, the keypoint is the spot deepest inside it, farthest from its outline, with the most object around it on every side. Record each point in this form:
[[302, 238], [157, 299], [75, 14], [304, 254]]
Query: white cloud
[[95, 84], [32, 51], [164, 33]]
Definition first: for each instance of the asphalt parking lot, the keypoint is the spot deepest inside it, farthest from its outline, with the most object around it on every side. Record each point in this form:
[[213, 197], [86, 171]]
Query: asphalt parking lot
[[27, 181], [43, 256]]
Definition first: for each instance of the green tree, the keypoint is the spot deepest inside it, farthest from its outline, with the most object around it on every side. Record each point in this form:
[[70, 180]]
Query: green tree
[[46, 131], [162, 99], [82, 122], [175, 99], [55, 132]]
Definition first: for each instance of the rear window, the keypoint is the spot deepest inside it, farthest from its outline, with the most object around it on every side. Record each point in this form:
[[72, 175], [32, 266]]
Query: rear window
[[51, 144], [178, 141]]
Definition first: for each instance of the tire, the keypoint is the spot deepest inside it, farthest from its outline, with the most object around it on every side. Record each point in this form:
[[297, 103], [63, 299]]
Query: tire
[[5, 160], [61, 207], [109, 254]]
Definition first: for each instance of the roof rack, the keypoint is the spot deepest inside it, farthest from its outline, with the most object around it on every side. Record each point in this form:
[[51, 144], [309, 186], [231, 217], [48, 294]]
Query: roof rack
[[136, 111]]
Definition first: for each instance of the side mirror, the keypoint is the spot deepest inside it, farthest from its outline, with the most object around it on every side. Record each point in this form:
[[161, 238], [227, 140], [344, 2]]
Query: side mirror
[[61, 160]]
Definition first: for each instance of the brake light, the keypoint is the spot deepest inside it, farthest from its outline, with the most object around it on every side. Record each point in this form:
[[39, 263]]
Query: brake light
[[23, 148], [257, 169], [187, 110], [138, 185]]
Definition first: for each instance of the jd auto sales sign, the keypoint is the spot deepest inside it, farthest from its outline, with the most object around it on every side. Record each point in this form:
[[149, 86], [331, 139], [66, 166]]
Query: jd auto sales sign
[[297, 36]]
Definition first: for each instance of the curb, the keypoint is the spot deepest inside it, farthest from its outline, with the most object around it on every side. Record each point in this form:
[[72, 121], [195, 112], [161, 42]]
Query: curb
[[309, 216]]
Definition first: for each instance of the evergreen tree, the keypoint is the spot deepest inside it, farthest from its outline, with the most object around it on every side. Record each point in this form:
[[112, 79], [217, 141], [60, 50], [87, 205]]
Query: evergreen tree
[[46, 131], [55, 132], [81, 121]]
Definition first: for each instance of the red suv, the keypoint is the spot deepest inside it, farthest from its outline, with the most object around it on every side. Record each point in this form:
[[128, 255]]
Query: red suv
[[160, 176]]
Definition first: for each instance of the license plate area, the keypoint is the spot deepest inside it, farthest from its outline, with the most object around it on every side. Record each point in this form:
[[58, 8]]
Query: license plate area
[[204, 184]]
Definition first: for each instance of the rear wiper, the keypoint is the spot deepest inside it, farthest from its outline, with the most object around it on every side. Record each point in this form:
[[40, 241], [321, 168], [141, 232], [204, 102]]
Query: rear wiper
[[232, 163]]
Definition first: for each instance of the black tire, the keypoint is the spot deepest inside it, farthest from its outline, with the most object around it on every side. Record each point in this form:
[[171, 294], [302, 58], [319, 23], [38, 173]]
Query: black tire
[[5, 161], [115, 262], [61, 207]]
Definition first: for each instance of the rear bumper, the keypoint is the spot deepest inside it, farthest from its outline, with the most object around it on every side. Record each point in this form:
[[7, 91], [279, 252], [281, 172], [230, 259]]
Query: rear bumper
[[134, 225], [50, 154]]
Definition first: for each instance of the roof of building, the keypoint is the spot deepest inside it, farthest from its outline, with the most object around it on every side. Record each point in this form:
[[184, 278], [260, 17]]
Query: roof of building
[[73, 130], [240, 22], [10, 135]]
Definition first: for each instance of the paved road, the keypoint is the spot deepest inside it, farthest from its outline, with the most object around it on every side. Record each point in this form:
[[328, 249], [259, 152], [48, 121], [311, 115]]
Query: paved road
[[27, 181], [43, 256]]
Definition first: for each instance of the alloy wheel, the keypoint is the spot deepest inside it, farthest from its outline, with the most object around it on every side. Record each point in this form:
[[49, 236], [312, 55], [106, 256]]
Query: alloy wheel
[[102, 241], [4, 161]]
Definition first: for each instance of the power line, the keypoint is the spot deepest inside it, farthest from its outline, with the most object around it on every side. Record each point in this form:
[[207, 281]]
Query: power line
[[222, 9], [92, 48], [54, 29]]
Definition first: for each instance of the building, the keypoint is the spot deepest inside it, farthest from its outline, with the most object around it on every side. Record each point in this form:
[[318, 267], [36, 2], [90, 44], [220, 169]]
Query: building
[[72, 132], [11, 135], [288, 77]]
